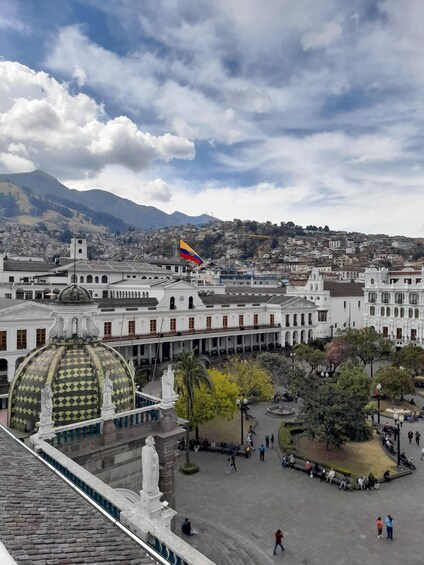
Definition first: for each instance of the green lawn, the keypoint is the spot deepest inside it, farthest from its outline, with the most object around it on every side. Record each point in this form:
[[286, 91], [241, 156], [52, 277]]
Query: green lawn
[[224, 430], [400, 404], [359, 458]]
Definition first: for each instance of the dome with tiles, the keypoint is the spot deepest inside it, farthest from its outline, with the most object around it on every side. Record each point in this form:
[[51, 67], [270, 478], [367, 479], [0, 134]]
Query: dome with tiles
[[74, 294], [75, 370]]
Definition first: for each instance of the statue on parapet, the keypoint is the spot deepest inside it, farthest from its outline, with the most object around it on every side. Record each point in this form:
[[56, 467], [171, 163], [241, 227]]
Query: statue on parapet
[[46, 414], [107, 390], [150, 467], [168, 379]]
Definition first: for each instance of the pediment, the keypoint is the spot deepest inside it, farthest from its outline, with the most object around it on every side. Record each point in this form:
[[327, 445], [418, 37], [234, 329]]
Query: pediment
[[29, 311], [297, 303]]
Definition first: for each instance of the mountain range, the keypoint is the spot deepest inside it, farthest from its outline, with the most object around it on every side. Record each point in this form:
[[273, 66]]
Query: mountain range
[[37, 197]]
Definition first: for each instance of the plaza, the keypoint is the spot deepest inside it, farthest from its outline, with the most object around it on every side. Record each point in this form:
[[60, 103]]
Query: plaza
[[321, 524]]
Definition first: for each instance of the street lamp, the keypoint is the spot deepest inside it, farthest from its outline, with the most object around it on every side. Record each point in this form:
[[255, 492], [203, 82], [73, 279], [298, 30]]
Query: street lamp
[[399, 421], [292, 355], [378, 389], [242, 406]]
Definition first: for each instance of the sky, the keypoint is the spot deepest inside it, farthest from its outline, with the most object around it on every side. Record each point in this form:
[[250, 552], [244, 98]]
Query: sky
[[283, 110]]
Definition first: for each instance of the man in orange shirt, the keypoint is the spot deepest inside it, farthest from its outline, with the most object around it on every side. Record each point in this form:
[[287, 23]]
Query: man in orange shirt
[[379, 527], [278, 537]]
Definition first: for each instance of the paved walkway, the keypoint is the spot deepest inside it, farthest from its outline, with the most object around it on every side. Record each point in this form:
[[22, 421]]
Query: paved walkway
[[321, 524]]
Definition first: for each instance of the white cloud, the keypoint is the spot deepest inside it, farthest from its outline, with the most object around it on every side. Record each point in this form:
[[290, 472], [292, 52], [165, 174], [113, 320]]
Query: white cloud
[[327, 35], [157, 190], [69, 134]]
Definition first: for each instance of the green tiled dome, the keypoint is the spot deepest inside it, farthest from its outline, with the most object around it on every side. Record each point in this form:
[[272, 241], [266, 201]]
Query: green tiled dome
[[75, 370]]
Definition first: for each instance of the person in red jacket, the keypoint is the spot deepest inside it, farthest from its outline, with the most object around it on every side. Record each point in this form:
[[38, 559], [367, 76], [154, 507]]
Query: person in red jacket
[[278, 540]]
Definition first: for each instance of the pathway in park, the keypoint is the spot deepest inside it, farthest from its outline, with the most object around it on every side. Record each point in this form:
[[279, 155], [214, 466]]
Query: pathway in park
[[321, 524]]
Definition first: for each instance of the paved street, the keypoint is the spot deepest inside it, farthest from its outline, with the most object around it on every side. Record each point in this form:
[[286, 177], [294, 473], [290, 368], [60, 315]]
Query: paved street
[[321, 524]]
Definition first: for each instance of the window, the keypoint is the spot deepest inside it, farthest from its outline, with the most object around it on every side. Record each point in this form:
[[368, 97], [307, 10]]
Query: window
[[3, 341], [410, 313], [385, 331], [402, 312], [172, 303], [28, 295], [81, 279], [417, 313], [255, 319], [302, 319], [74, 279], [413, 298], [344, 303], [173, 324], [413, 335], [89, 279], [152, 326], [271, 319], [287, 320], [385, 298], [107, 328], [96, 280], [225, 321], [241, 320], [38, 295], [131, 327], [372, 297], [21, 339], [191, 324], [40, 337], [399, 298], [388, 311], [372, 281], [398, 333], [322, 315], [208, 322], [11, 279], [359, 304], [104, 279], [372, 311], [310, 319], [190, 303], [382, 311], [396, 311], [295, 319]]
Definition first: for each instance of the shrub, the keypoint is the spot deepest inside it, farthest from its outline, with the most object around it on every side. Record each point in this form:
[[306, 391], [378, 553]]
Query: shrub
[[191, 470], [343, 471]]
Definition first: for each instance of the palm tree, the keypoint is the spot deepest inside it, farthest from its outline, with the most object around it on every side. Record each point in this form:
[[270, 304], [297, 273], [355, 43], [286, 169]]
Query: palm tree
[[193, 372]]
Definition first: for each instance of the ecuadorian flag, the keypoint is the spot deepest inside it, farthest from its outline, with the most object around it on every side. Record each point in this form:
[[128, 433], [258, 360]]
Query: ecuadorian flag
[[186, 252]]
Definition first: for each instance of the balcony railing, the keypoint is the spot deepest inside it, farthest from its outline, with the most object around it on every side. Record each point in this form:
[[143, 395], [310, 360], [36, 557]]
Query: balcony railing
[[189, 332]]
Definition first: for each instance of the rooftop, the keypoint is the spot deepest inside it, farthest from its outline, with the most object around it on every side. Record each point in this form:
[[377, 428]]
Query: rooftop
[[43, 520], [344, 289]]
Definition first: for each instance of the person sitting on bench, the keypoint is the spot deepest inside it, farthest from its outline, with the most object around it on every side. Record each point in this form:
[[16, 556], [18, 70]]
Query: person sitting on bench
[[186, 528]]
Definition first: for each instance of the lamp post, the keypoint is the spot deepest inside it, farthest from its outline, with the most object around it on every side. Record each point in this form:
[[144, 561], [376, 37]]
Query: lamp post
[[378, 389], [399, 421], [242, 406], [292, 355]]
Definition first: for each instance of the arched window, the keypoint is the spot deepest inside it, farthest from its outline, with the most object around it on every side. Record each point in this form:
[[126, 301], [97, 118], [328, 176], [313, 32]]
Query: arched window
[[372, 311], [104, 279], [81, 279], [312, 287], [410, 313], [413, 298], [96, 280], [190, 303], [396, 312], [388, 311], [172, 303], [383, 310], [316, 288], [74, 279], [402, 312], [399, 298], [385, 298], [89, 278], [372, 281], [372, 297], [417, 313]]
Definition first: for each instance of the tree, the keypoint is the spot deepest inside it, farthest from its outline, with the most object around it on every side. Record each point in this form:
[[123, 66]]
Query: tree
[[412, 358], [191, 374], [395, 382], [276, 365], [353, 377], [338, 351], [366, 344], [309, 357], [251, 378], [333, 416], [220, 400]]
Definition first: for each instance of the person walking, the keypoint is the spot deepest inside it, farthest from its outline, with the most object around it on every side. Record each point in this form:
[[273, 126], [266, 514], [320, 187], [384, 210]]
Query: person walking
[[233, 462], [389, 527], [262, 452], [267, 441], [379, 527], [278, 541], [410, 436], [272, 441], [417, 437]]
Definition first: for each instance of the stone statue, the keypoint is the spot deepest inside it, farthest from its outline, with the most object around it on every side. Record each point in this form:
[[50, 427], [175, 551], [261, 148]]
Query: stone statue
[[168, 377], [131, 368], [150, 467], [46, 404], [107, 390]]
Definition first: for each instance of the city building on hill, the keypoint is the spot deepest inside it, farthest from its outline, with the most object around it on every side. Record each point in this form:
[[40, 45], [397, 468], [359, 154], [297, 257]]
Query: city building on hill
[[394, 303]]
